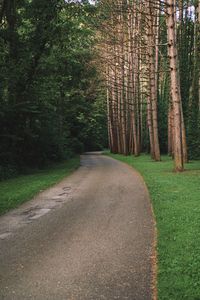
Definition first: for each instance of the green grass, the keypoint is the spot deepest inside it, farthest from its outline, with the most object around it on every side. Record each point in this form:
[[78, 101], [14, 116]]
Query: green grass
[[176, 202], [15, 191]]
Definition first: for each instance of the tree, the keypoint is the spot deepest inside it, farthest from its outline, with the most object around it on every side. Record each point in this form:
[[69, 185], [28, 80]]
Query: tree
[[49, 93], [133, 49]]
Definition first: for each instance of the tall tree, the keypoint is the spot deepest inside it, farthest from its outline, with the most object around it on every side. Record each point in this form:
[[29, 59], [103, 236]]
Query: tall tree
[[175, 85]]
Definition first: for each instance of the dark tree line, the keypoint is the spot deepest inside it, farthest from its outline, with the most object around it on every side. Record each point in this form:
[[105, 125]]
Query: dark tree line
[[51, 100]]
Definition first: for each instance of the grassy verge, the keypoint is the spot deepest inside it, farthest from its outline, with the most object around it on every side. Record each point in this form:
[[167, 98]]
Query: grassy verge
[[176, 203], [15, 191]]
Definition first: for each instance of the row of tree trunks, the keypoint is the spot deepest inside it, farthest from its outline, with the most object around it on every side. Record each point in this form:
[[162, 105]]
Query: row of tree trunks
[[130, 54], [124, 61]]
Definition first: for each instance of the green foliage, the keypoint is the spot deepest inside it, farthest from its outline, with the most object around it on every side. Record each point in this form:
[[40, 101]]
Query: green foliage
[[163, 102], [13, 192], [188, 50], [175, 199], [48, 108]]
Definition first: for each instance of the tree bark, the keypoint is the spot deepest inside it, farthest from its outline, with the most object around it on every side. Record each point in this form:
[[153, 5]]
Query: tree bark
[[175, 86]]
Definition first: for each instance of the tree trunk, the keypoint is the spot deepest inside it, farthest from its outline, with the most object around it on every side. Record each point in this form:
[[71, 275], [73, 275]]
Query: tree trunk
[[153, 77], [175, 86]]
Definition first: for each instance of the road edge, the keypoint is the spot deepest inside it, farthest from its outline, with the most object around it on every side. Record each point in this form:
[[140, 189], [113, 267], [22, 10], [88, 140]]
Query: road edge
[[154, 256]]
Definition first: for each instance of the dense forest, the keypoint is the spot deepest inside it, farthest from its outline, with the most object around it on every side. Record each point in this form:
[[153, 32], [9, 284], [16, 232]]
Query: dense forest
[[51, 101], [150, 58], [59, 57]]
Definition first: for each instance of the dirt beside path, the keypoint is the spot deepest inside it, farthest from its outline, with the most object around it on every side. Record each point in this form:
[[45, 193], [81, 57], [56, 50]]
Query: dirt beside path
[[88, 238]]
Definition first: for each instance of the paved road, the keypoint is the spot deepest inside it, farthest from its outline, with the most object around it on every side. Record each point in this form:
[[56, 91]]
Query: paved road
[[88, 238]]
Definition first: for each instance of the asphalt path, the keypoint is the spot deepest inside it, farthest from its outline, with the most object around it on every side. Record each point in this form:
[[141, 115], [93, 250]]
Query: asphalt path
[[90, 237]]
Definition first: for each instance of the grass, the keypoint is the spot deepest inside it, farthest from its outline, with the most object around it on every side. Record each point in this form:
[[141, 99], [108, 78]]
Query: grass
[[176, 202], [14, 192]]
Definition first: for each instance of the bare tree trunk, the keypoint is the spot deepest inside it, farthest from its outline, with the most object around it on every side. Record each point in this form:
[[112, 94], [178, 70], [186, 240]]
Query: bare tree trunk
[[175, 86], [152, 78]]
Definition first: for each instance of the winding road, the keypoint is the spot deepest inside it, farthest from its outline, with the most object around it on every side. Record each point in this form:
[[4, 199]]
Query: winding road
[[88, 238]]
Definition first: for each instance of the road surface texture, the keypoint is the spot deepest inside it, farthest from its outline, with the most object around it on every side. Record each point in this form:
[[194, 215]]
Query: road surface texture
[[90, 237]]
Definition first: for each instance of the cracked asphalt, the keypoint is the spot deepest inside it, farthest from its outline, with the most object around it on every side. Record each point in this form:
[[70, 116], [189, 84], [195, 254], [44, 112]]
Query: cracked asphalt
[[88, 238]]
